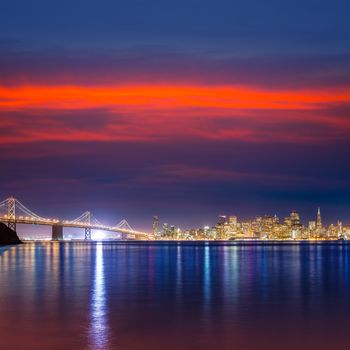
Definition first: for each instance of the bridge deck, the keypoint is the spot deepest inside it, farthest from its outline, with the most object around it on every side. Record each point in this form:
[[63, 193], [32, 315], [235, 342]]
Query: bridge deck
[[50, 222]]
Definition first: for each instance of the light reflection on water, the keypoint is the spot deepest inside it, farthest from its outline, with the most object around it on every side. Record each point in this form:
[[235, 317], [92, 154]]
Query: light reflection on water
[[102, 296], [99, 323], [207, 272]]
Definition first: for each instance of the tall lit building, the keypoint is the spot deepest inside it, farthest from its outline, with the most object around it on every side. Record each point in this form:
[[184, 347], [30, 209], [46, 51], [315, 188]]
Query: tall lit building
[[295, 219], [319, 219], [155, 225], [232, 226], [339, 228], [232, 220], [221, 227], [166, 230], [312, 225], [221, 219]]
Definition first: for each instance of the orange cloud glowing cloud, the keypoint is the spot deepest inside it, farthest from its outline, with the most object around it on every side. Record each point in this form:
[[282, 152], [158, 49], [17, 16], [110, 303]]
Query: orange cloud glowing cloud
[[165, 97], [150, 112]]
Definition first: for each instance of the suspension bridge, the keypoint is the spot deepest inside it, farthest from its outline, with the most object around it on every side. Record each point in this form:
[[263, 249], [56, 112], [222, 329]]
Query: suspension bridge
[[13, 212]]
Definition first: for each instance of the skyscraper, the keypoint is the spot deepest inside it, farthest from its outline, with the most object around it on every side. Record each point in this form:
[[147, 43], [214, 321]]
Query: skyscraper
[[319, 220], [295, 219], [155, 225]]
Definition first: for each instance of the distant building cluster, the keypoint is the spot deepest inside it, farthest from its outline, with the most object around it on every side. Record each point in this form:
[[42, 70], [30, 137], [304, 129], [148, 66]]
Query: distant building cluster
[[261, 228]]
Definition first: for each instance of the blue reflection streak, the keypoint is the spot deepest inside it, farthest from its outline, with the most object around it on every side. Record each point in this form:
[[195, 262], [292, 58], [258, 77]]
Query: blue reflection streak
[[99, 322]]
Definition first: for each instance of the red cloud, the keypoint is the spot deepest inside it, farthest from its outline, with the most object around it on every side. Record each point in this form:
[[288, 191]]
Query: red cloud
[[153, 112], [162, 97]]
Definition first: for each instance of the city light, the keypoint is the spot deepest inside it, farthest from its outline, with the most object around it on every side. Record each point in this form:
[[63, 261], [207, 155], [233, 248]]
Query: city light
[[266, 227]]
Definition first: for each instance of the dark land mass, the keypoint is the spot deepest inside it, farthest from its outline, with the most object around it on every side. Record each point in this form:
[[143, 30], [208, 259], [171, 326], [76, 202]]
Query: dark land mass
[[8, 236]]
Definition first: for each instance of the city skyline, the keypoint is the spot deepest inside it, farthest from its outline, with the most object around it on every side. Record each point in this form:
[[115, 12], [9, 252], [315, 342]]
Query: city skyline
[[262, 227]]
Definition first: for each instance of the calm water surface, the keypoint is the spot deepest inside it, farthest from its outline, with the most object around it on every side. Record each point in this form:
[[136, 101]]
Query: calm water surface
[[174, 296]]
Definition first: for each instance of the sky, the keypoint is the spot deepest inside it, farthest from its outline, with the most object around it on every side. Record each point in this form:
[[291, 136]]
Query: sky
[[181, 109]]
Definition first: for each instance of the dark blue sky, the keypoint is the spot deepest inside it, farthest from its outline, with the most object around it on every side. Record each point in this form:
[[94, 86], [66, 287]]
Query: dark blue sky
[[233, 26], [184, 109]]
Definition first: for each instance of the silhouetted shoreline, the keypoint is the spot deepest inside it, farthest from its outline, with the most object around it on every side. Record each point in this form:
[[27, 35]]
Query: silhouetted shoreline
[[8, 236]]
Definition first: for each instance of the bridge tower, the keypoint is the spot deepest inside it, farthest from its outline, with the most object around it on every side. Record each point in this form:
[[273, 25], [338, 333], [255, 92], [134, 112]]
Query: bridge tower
[[57, 232], [11, 213], [88, 229]]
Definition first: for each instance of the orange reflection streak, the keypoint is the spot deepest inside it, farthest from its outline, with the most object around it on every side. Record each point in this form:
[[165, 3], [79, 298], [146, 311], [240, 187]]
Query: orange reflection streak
[[155, 97]]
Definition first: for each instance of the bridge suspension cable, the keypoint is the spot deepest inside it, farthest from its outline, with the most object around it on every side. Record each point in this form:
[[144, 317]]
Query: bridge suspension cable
[[83, 218], [87, 218], [3, 203], [124, 225], [27, 211]]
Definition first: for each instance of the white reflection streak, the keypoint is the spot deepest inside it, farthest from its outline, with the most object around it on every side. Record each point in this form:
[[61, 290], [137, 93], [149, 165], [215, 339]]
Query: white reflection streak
[[99, 322], [178, 275], [207, 277]]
